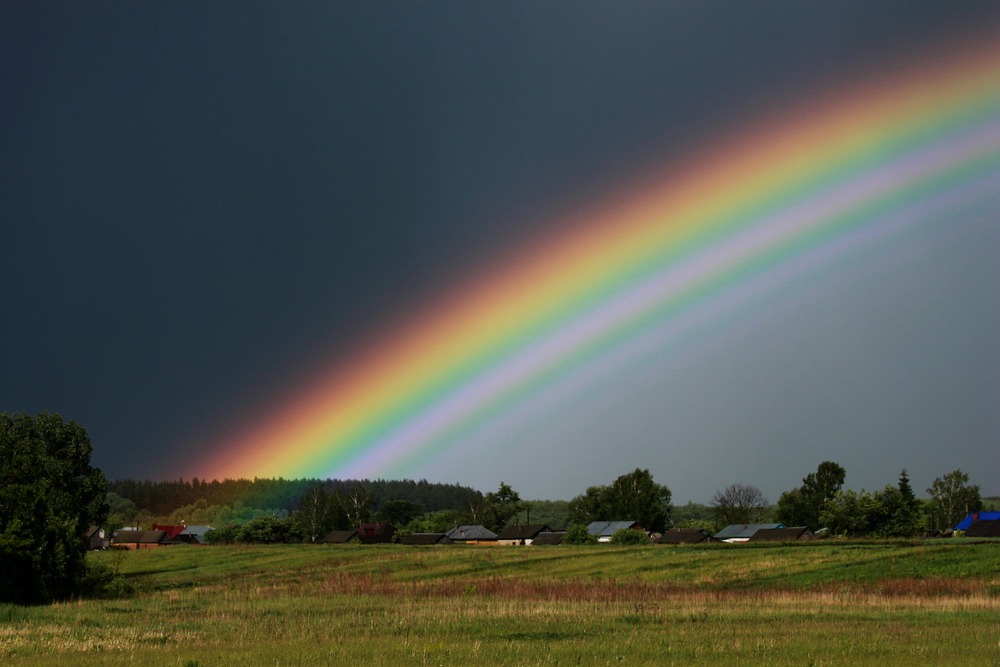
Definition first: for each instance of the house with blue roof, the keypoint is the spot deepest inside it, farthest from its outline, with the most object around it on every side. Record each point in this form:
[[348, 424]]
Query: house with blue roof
[[967, 522]]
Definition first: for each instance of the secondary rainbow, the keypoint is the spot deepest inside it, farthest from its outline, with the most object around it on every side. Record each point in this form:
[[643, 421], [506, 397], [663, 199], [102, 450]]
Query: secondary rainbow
[[871, 163]]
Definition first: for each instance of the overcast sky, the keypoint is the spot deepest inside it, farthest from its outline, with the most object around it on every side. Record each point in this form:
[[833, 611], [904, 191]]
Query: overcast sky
[[203, 201]]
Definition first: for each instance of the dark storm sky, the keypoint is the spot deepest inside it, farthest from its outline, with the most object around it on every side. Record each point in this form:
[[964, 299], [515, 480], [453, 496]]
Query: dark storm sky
[[201, 201]]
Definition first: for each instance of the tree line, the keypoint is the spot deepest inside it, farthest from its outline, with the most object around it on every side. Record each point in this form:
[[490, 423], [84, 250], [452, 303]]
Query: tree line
[[821, 502], [50, 495]]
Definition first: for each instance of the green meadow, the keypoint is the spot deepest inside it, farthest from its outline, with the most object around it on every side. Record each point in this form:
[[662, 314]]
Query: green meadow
[[824, 603]]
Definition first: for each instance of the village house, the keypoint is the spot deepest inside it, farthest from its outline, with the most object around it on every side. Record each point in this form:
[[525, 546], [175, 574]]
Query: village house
[[983, 528], [426, 539], [376, 533], [340, 537], [742, 532], [793, 534], [521, 535], [685, 536], [95, 539], [604, 530], [972, 517], [141, 539], [473, 535], [194, 535]]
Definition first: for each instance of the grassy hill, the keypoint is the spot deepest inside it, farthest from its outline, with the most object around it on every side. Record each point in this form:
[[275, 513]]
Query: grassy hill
[[820, 603]]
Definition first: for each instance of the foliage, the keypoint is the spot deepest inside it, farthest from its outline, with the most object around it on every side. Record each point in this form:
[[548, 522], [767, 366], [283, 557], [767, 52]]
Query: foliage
[[501, 506], [398, 512], [694, 515], [162, 498], [262, 530], [952, 498], [433, 522], [49, 496], [739, 503], [553, 513], [802, 506], [624, 536], [578, 534], [634, 496], [885, 513], [121, 512]]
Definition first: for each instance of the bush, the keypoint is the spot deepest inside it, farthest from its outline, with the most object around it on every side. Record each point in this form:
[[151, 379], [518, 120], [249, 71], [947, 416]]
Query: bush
[[629, 536], [578, 534]]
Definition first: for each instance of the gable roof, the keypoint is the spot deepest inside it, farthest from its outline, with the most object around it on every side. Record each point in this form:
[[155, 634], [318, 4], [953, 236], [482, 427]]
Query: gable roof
[[743, 531], [685, 536], [172, 531], [195, 534], [374, 533], [550, 538], [339, 536], [609, 528], [142, 537], [426, 538], [470, 533], [977, 516], [782, 534], [522, 532], [983, 528]]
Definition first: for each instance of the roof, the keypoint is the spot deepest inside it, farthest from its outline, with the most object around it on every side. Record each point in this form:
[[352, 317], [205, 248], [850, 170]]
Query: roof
[[470, 533], [371, 533], [522, 532], [195, 534], [426, 538], [549, 538], [685, 536], [609, 528], [782, 534], [743, 531], [172, 531], [339, 536], [142, 537], [983, 528], [977, 516]]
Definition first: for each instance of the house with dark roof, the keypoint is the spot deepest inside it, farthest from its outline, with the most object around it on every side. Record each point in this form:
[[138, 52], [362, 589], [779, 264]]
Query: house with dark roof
[[340, 537], [550, 538], [794, 534], [603, 530], [472, 534], [983, 528], [426, 539], [141, 539], [376, 533], [95, 539], [742, 532], [686, 536], [521, 535]]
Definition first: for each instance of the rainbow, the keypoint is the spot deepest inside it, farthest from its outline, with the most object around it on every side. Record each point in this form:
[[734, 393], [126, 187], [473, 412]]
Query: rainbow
[[873, 164]]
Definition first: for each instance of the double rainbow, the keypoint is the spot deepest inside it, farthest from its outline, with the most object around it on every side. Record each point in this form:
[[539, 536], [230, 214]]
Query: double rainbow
[[872, 163]]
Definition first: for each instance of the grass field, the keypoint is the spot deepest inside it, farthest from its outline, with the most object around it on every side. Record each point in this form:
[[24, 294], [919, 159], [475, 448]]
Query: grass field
[[825, 603]]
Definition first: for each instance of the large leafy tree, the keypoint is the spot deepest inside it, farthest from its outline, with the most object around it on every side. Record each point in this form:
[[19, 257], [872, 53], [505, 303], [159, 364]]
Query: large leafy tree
[[501, 506], [634, 496], [952, 498], [49, 496], [802, 506]]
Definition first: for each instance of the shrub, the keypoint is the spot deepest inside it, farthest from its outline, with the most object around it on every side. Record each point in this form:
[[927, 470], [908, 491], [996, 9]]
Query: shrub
[[578, 534], [629, 536]]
